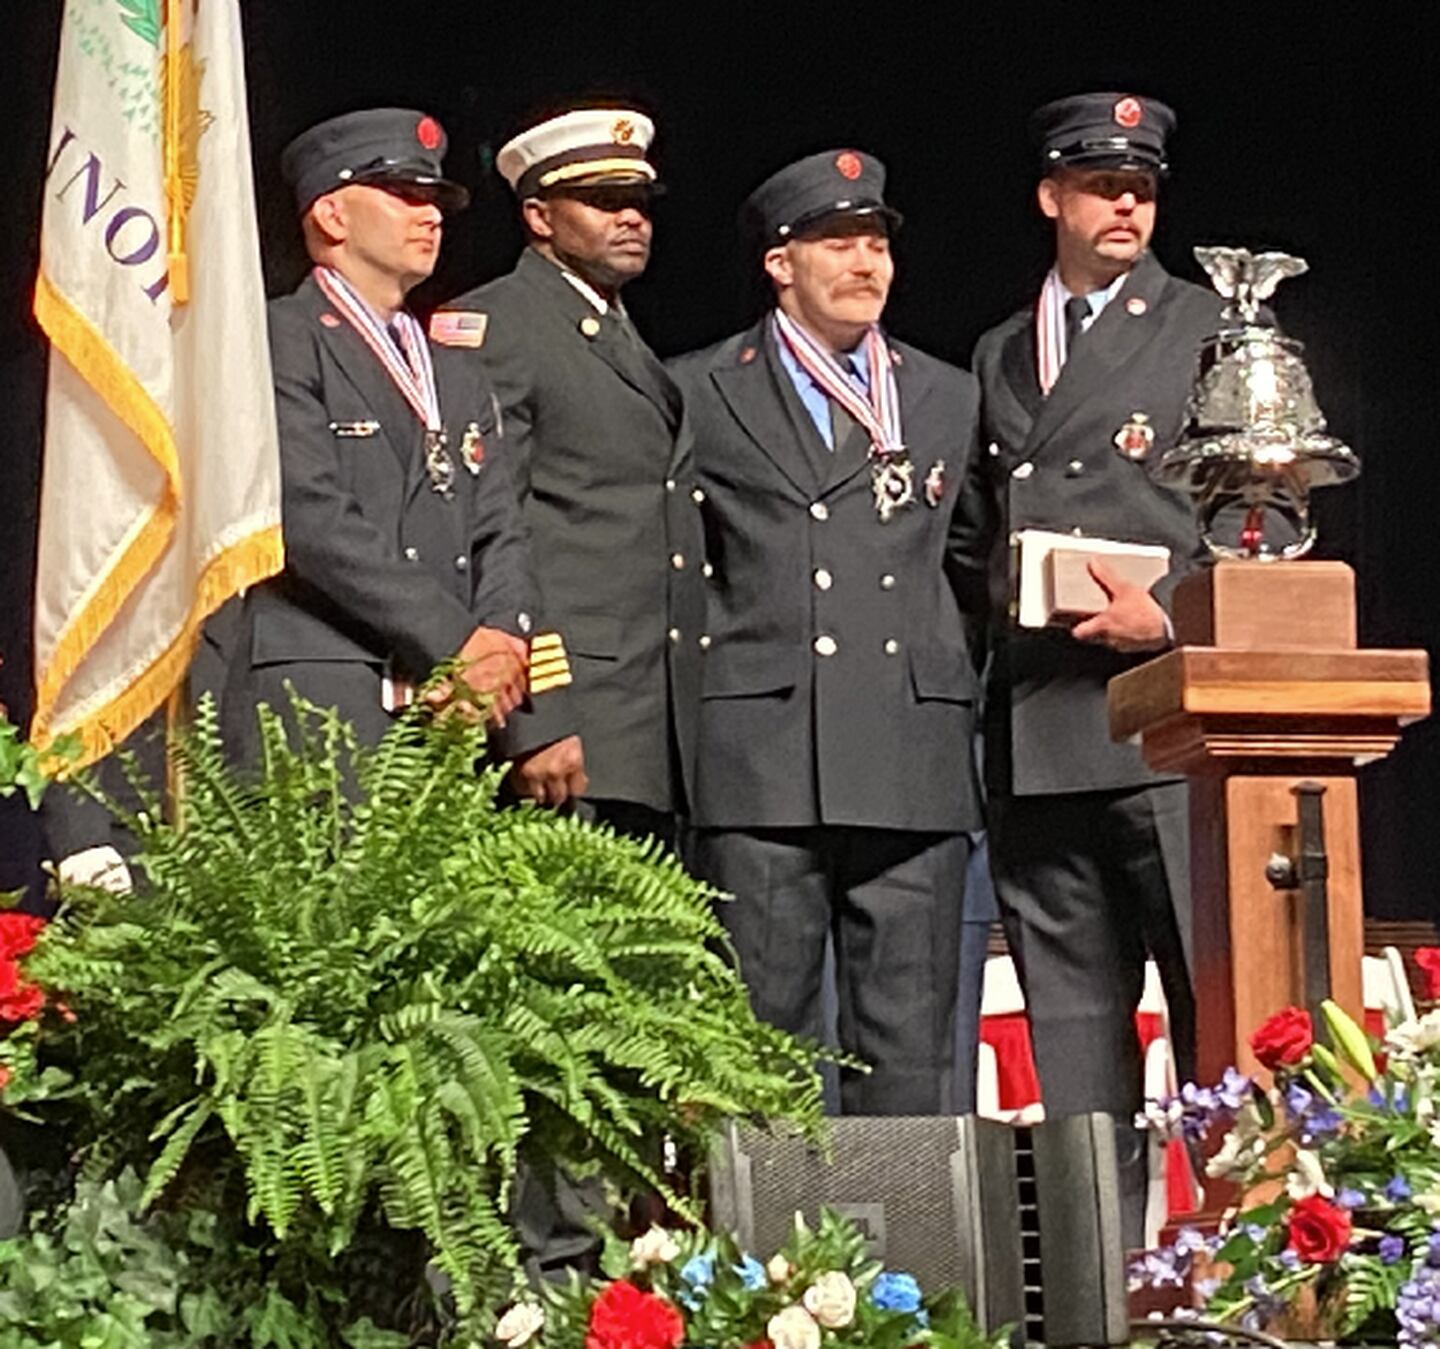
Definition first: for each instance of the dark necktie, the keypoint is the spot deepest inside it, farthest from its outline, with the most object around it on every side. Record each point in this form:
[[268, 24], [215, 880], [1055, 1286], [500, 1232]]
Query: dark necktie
[[1077, 310]]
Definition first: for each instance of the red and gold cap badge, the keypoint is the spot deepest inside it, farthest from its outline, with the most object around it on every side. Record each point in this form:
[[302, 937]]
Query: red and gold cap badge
[[1128, 112], [848, 164]]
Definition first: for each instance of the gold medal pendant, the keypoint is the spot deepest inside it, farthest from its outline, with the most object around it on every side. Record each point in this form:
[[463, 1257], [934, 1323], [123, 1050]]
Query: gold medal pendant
[[438, 463], [893, 481]]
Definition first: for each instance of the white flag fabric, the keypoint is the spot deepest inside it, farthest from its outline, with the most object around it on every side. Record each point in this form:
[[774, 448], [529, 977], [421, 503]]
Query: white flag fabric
[[161, 489]]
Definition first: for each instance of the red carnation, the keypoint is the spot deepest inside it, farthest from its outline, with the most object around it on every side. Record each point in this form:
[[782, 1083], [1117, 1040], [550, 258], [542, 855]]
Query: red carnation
[[1427, 958], [18, 932], [1285, 1038], [19, 1001], [623, 1317], [1319, 1230]]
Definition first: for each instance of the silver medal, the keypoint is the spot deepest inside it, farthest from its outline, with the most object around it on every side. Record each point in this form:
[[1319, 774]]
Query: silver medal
[[893, 481], [438, 463]]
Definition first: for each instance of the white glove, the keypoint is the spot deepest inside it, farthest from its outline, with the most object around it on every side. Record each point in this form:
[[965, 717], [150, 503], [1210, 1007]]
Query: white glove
[[100, 867]]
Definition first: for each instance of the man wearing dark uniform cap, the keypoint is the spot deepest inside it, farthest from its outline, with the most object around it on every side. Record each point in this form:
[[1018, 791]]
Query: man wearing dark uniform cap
[[1089, 847], [591, 421], [403, 544], [834, 782]]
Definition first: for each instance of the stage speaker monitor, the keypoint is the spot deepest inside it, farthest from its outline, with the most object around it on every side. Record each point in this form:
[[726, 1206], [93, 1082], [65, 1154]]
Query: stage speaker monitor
[[1082, 1254], [935, 1195]]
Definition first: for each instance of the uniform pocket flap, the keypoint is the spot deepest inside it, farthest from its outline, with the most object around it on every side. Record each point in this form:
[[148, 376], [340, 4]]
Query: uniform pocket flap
[[941, 673], [738, 671], [278, 642], [593, 635]]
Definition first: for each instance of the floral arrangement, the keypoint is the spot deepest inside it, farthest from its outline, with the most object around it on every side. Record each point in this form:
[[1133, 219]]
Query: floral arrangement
[[671, 1289], [1338, 1231]]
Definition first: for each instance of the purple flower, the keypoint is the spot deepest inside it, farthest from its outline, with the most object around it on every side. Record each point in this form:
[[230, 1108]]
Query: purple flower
[[1188, 1240], [1391, 1248], [1416, 1308], [1317, 1119], [1233, 1089], [1163, 1268], [1398, 1190], [1433, 1253], [1349, 1198], [1289, 1259]]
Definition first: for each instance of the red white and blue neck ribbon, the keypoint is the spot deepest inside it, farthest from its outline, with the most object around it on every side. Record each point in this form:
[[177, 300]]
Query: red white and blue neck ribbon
[[1050, 345], [880, 413], [414, 375]]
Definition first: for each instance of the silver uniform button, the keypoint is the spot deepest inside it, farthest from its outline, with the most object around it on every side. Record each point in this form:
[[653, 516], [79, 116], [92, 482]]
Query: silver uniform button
[[887, 582], [524, 622], [677, 560], [1022, 471], [697, 496], [706, 570], [823, 579], [892, 647], [819, 510], [412, 554], [674, 634], [994, 450], [826, 645], [669, 484], [704, 641], [461, 562], [1074, 468]]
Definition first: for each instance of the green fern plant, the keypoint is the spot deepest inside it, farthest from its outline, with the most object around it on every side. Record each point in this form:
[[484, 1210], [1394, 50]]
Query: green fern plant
[[368, 992]]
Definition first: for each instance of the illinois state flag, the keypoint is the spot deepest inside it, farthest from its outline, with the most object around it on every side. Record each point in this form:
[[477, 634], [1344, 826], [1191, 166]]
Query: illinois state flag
[[161, 489]]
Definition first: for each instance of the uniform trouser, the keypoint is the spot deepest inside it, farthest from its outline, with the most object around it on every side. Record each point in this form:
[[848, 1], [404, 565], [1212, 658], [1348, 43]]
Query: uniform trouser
[[892, 901], [555, 1214], [1090, 884]]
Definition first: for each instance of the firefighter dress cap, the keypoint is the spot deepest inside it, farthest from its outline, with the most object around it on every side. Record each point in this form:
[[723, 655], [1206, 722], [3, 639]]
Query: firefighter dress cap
[[396, 148], [798, 197], [1103, 131], [583, 148]]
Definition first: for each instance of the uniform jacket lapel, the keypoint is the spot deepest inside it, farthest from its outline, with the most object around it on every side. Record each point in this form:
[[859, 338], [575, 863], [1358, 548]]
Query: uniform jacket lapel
[[1112, 340], [752, 390], [633, 362], [398, 423]]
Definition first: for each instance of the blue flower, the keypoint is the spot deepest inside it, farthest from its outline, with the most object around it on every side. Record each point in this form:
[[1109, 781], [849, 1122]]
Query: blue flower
[[1391, 1249], [752, 1273], [699, 1272], [896, 1292], [1349, 1198], [1397, 1190]]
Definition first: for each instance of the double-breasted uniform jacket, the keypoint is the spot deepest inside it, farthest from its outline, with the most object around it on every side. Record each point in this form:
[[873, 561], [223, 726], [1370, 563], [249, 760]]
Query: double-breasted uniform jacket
[[1052, 463], [591, 425], [838, 687], [383, 575]]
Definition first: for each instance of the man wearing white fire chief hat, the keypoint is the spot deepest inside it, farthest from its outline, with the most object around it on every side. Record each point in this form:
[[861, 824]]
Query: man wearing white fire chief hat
[[591, 423]]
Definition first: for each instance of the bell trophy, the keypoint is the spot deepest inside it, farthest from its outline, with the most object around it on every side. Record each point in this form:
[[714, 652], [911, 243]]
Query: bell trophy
[[1265, 702]]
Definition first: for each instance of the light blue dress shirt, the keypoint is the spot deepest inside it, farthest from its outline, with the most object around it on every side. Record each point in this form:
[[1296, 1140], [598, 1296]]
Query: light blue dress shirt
[[816, 400]]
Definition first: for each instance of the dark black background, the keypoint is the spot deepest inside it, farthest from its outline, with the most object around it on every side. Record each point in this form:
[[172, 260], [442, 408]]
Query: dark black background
[[1305, 127]]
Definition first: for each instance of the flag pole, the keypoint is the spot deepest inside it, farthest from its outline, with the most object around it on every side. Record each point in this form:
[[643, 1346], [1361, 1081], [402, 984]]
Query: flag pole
[[179, 259], [177, 705]]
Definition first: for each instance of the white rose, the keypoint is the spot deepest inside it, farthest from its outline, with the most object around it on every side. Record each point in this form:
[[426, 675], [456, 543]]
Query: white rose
[[779, 1268], [831, 1300], [793, 1328], [656, 1247], [521, 1323], [1411, 1039]]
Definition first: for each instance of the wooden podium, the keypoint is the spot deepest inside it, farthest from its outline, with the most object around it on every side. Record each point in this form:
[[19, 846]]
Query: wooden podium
[[1266, 691]]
